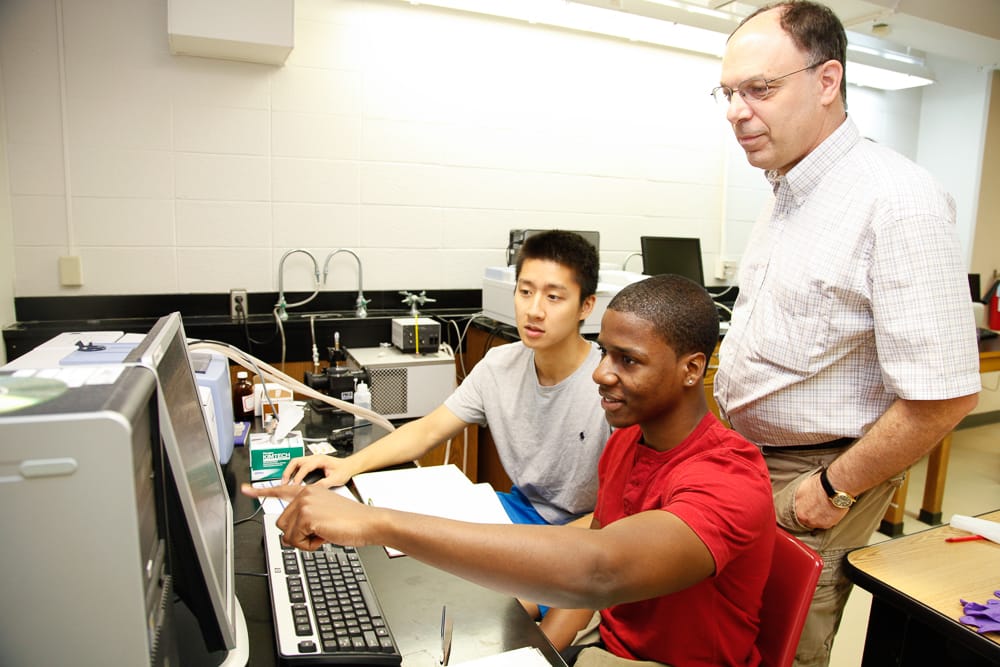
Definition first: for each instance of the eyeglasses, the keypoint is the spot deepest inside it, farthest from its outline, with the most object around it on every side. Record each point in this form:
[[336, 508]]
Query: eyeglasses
[[753, 89]]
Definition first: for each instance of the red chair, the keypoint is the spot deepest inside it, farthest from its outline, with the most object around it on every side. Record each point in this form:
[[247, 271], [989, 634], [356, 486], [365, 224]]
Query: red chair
[[787, 595]]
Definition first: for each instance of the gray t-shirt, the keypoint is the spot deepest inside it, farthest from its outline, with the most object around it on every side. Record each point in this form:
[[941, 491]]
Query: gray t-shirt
[[549, 438]]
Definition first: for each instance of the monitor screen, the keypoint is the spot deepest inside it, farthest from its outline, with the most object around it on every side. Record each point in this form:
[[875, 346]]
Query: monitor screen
[[199, 513], [667, 254]]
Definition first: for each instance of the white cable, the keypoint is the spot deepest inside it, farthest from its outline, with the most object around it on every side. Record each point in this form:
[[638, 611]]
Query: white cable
[[304, 301], [724, 307], [272, 374], [461, 337]]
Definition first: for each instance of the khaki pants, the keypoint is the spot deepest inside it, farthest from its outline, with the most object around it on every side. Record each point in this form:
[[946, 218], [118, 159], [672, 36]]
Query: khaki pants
[[598, 657], [788, 470]]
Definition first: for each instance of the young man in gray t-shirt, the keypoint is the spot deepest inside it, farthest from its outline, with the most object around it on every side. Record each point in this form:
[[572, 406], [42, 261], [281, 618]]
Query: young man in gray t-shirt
[[536, 395]]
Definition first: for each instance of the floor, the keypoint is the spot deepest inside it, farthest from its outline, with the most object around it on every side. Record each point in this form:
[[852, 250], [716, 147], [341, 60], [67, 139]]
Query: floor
[[972, 487]]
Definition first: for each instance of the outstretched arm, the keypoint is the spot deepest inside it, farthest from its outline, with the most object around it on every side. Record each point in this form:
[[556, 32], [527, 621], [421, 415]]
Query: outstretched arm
[[642, 556]]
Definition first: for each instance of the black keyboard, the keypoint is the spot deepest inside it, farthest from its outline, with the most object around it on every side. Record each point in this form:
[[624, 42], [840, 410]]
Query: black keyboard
[[325, 611]]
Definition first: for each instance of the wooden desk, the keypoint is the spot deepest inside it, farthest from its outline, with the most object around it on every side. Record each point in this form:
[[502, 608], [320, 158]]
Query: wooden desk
[[916, 582], [937, 463]]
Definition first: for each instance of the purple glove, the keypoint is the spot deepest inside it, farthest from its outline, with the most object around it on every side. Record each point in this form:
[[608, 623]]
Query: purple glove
[[986, 617]]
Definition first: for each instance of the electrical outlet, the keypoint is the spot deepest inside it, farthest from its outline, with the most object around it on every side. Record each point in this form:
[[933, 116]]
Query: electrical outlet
[[725, 269], [239, 308]]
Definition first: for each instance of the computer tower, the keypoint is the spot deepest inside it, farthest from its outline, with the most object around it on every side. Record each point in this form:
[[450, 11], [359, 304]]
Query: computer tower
[[83, 567]]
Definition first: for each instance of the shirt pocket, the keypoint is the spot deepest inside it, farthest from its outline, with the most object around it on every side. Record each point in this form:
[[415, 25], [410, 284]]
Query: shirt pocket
[[793, 323]]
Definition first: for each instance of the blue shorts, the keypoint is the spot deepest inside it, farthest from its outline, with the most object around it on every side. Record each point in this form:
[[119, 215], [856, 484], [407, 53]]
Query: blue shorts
[[520, 510]]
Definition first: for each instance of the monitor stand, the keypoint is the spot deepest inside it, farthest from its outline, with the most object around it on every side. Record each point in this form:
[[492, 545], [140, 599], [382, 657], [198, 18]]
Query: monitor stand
[[240, 654], [192, 656]]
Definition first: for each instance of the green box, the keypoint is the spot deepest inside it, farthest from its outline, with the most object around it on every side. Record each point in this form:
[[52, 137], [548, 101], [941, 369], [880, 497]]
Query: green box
[[268, 459]]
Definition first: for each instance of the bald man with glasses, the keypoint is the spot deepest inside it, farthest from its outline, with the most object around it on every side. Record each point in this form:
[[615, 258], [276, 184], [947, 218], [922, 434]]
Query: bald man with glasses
[[852, 348]]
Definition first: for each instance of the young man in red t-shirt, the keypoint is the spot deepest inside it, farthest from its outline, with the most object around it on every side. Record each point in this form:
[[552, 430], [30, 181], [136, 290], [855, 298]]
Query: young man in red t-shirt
[[684, 526]]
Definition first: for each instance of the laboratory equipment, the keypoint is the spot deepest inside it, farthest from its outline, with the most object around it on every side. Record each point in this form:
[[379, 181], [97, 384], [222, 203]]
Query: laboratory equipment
[[498, 294], [403, 385]]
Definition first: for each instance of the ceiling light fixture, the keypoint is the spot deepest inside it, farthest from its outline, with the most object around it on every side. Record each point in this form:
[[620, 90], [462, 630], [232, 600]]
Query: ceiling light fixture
[[686, 26]]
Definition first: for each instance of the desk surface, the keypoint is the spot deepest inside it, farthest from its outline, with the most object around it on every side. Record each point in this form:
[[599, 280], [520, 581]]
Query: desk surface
[[925, 576], [411, 593]]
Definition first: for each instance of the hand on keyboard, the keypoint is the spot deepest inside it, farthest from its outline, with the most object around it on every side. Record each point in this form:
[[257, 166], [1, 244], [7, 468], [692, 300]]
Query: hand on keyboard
[[313, 516]]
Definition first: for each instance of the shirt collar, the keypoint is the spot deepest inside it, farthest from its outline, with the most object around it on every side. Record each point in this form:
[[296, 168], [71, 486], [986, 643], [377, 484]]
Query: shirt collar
[[806, 175]]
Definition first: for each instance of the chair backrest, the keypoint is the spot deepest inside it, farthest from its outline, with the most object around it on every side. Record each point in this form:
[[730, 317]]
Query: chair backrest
[[788, 592]]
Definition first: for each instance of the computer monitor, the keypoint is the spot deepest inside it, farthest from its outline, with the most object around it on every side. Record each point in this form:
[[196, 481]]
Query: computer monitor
[[669, 254], [199, 513]]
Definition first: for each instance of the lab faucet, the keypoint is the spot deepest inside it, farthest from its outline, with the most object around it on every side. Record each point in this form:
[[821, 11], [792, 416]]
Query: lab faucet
[[361, 303], [282, 306]]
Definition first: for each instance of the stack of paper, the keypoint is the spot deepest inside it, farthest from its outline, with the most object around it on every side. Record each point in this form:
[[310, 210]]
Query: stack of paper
[[526, 656], [442, 491]]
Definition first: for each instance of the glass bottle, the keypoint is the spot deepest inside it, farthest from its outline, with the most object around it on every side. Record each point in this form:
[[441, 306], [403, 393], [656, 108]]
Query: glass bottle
[[243, 398]]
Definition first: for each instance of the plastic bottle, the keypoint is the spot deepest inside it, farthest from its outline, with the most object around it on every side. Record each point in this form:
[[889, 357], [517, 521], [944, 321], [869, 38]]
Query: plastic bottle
[[242, 398], [362, 399]]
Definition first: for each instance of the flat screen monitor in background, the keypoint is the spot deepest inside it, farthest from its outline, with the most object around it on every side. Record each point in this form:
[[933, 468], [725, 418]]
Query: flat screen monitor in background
[[669, 254], [199, 513]]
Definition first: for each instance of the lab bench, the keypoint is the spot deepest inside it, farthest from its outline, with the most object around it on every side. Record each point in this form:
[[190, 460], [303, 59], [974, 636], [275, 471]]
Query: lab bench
[[206, 316]]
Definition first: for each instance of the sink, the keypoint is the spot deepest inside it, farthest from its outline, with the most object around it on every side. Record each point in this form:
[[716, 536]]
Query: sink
[[346, 314], [322, 315]]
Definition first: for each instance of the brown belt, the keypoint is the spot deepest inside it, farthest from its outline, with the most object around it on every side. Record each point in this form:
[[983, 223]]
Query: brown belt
[[839, 443]]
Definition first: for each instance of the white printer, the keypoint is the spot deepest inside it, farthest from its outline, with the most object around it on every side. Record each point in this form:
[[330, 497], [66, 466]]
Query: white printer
[[90, 348]]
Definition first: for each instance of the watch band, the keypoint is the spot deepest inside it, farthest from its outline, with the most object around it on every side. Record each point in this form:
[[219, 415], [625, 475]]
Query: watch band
[[839, 499], [827, 486]]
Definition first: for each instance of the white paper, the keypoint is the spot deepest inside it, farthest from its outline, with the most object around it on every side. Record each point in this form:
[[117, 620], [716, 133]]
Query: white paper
[[442, 491], [526, 656], [289, 416], [277, 505], [988, 529]]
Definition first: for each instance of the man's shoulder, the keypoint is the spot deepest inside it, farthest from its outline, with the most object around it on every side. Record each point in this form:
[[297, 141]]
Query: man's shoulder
[[507, 353], [887, 166]]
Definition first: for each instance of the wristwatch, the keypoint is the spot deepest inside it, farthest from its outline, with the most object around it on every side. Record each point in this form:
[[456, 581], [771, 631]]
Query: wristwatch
[[839, 499]]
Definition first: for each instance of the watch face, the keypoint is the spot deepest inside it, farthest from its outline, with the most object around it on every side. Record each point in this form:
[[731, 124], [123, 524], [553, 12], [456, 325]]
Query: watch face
[[842, 500]]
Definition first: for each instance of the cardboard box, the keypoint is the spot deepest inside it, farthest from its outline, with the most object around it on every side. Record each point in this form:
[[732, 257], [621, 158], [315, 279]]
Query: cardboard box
[[276, 392], [268, 459]]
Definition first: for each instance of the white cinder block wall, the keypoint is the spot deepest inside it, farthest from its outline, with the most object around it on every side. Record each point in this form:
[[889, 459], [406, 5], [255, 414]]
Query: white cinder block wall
[[416, 137]]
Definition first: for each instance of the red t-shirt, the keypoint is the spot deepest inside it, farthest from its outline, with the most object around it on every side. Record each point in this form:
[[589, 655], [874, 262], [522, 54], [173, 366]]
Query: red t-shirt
[[717, 483]]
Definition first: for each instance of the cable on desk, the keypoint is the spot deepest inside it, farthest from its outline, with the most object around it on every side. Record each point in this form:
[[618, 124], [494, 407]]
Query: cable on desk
[[248, 518], [269, 373]]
